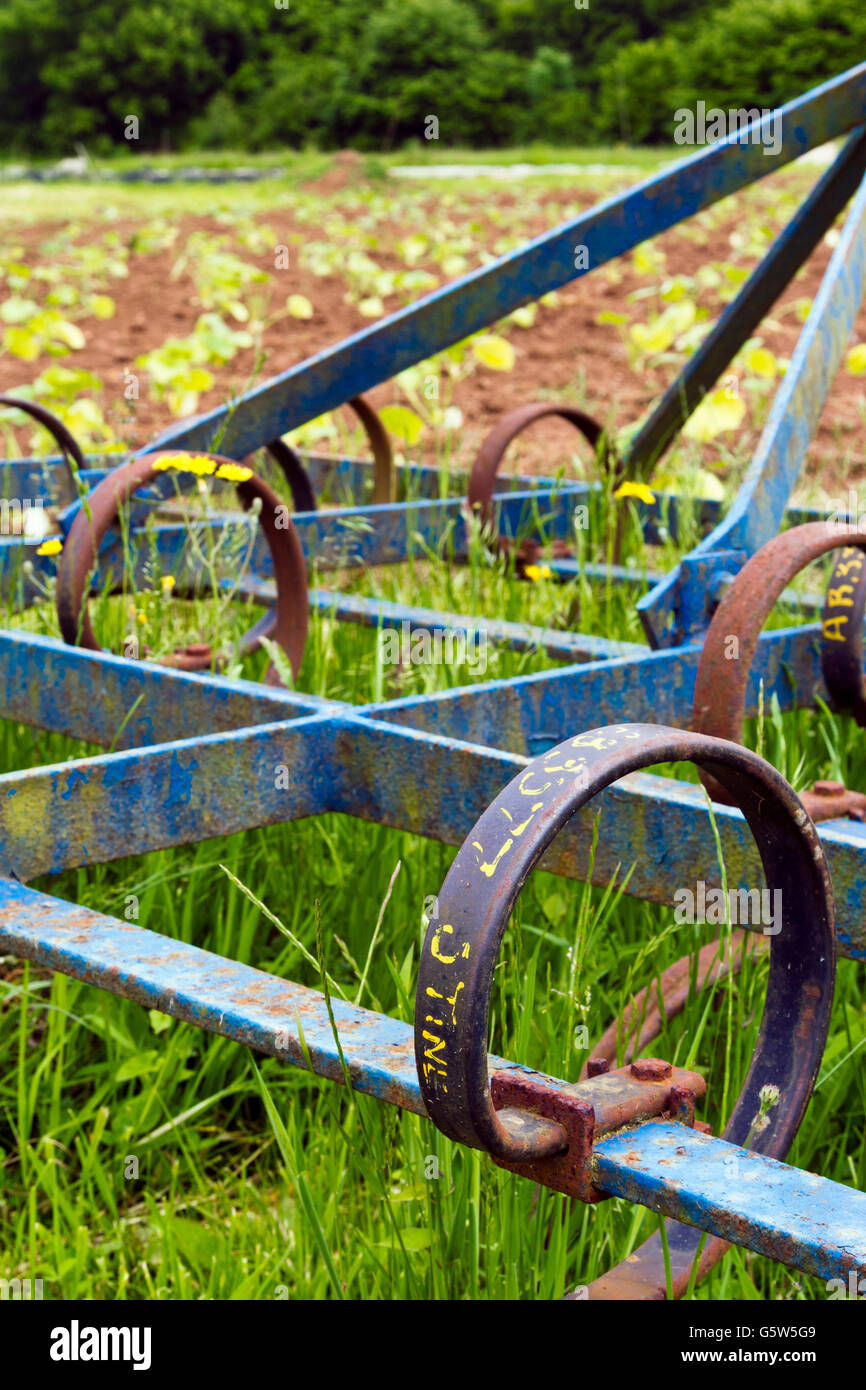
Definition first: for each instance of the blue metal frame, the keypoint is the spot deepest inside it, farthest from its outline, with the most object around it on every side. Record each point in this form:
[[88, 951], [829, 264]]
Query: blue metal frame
[[195, 754]]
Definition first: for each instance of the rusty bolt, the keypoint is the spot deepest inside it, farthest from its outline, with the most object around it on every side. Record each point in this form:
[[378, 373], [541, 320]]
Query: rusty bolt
[[597, 1066], [650, 1069], [827, 788]]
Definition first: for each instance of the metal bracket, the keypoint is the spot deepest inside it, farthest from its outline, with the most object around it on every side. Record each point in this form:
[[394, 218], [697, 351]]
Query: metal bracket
[[700, 586], [648, 1089]]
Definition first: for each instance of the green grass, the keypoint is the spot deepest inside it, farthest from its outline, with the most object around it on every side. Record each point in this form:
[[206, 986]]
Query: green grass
[[255, 1180]]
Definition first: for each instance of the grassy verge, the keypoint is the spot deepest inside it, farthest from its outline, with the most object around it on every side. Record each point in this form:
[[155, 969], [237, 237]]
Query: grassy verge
[[141, 1158]]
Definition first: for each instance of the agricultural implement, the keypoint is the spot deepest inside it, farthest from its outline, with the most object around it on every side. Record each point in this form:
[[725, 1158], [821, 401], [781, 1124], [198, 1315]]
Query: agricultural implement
[[505, 765]]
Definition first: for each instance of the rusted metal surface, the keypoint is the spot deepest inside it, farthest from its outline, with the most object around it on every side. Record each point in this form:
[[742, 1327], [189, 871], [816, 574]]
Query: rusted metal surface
[[482, 479], [298, 479], [60, 432], [285, 624], [479, 893], [842, 633], [643, 1018], [380, 445], [295, 474], [798, 1218], [827, 800], [723, 670], [585, 1112]]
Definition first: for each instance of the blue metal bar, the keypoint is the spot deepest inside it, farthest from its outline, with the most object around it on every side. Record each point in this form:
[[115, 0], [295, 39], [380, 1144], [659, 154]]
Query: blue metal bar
[[810, 1222], [679, 607], [350, 537], [43, 481], [742, 316], [380, 352], [19, 478], [803, 1220], [89, 695], [531, 713], [116, 804], [110, 700], [647, 820], [384, 613], [119, 804], [328, 472]]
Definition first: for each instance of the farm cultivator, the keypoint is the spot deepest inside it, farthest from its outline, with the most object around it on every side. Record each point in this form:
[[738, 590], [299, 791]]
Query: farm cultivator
[[498, 768]]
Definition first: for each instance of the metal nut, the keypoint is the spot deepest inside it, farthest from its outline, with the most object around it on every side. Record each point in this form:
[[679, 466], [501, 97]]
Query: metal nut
[[597, 1066], [650, 1069]]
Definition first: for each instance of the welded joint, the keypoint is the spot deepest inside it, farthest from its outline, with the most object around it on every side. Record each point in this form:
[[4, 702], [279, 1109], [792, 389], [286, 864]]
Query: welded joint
[[648, 1089]]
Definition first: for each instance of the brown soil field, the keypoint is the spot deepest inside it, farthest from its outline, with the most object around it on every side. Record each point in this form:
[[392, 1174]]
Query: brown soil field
[[566, 354]]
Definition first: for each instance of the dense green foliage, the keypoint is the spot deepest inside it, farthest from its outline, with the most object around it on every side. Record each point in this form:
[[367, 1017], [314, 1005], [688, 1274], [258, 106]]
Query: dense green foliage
[[207, 73]]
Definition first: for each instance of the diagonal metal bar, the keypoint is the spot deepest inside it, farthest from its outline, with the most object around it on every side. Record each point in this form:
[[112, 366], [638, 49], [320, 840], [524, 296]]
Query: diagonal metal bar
[[446, 316], [760, 504], [384, 614], [742, 316], [529, 714], [805, 1221]]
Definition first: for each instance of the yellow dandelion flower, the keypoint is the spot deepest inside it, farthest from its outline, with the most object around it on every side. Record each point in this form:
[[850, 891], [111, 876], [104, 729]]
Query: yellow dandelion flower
[[536, 572], [185, 463], [167, 583], [638, 490], [142, 618], [234, 472], [52, 547], [131, 611]]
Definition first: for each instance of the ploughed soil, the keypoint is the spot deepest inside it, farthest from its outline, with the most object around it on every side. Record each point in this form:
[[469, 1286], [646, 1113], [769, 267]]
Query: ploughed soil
[[566, 354]]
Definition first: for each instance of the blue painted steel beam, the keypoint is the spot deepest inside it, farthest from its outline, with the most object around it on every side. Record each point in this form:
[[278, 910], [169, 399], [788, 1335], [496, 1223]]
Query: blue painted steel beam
[[18, 478], [93, 696], [380, 352], [809, 1222], [798, 1218], [529, 714], [742, 316], [351, 477], [45, 482], [660, 825], [384, 613], [679, 608], [347, 538], [115, 805], [112, 701], [120, 804]]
